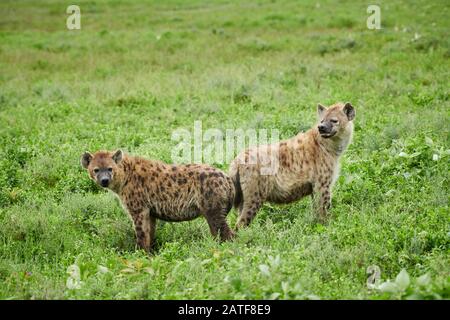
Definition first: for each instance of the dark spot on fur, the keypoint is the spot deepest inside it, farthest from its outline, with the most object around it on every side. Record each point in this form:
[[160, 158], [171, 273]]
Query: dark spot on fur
[[208, 194]]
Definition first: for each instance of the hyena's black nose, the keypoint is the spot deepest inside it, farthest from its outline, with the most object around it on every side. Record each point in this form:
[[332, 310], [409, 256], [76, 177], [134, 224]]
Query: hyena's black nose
[[322, 128], [104, 182]]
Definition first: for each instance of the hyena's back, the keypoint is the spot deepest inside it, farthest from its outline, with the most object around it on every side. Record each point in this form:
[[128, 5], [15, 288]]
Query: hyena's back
[[182, 192]]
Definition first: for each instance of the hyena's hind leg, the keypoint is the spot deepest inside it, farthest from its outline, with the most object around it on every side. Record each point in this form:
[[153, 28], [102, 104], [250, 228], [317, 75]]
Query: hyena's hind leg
[[250, 205], [215, 213], [218, 225]]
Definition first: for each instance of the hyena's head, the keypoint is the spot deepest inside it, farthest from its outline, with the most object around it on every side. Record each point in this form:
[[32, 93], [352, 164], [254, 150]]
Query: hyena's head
[[335, 120], [102, 166]]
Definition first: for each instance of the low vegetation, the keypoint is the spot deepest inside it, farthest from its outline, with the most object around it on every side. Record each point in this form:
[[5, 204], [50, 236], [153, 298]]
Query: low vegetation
[[137, 71]]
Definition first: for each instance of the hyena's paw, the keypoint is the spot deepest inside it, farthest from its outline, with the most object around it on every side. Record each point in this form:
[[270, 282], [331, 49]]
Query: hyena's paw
[[229, 236], [323, 218]]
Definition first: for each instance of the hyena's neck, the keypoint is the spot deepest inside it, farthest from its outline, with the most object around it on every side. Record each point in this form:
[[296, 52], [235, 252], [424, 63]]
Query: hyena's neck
[[123, 175], [337, 144]]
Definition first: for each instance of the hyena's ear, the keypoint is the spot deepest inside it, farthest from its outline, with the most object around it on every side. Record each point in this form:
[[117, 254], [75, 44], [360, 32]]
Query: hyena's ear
[[117, 156], [86, 158], [349, 111], [320, 110]]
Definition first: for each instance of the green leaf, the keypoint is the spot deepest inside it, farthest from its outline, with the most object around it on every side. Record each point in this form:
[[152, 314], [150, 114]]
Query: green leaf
[[402, 280], [264, 269], [74, 272], [414, 296], [102, 269], [128, 270], [236, 283], [389, 287], [285, 287], [274, 296], [424, 280], [149, 270]]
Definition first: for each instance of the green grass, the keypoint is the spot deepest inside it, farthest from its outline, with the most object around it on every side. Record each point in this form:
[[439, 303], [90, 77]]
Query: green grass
[[137, 71]]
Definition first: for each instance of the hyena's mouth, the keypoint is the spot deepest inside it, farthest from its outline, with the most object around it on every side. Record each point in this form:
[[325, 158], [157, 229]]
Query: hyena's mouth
[[327, 135]]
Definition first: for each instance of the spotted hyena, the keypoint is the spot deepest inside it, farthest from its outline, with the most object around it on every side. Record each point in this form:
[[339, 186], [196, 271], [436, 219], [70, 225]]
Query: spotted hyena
[[151, 190], [307, 164]]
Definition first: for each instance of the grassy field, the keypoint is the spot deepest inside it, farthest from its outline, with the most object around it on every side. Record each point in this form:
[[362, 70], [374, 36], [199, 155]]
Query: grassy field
[[137, 71]]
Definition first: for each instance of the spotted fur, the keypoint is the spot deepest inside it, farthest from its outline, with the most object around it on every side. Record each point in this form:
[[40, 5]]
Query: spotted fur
[[307, 164], [151, 190]]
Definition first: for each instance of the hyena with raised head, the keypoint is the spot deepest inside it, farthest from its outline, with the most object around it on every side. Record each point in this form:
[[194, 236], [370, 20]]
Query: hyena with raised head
[[307, 164], [151, 190]]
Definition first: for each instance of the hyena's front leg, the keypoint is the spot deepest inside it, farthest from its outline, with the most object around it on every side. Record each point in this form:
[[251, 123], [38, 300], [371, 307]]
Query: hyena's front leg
[[145, 227], [322, 200]]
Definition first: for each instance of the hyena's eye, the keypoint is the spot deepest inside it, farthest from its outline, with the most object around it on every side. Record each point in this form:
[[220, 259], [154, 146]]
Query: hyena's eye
[[334, 120], [96, 170], [110, 169]]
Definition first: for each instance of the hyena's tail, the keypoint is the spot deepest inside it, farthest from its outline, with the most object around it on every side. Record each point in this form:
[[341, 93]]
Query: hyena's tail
[[234, 174]]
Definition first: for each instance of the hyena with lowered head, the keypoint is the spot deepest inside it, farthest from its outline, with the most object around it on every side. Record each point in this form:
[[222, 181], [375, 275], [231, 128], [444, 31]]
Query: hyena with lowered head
[[307, 164], [151, 190]]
